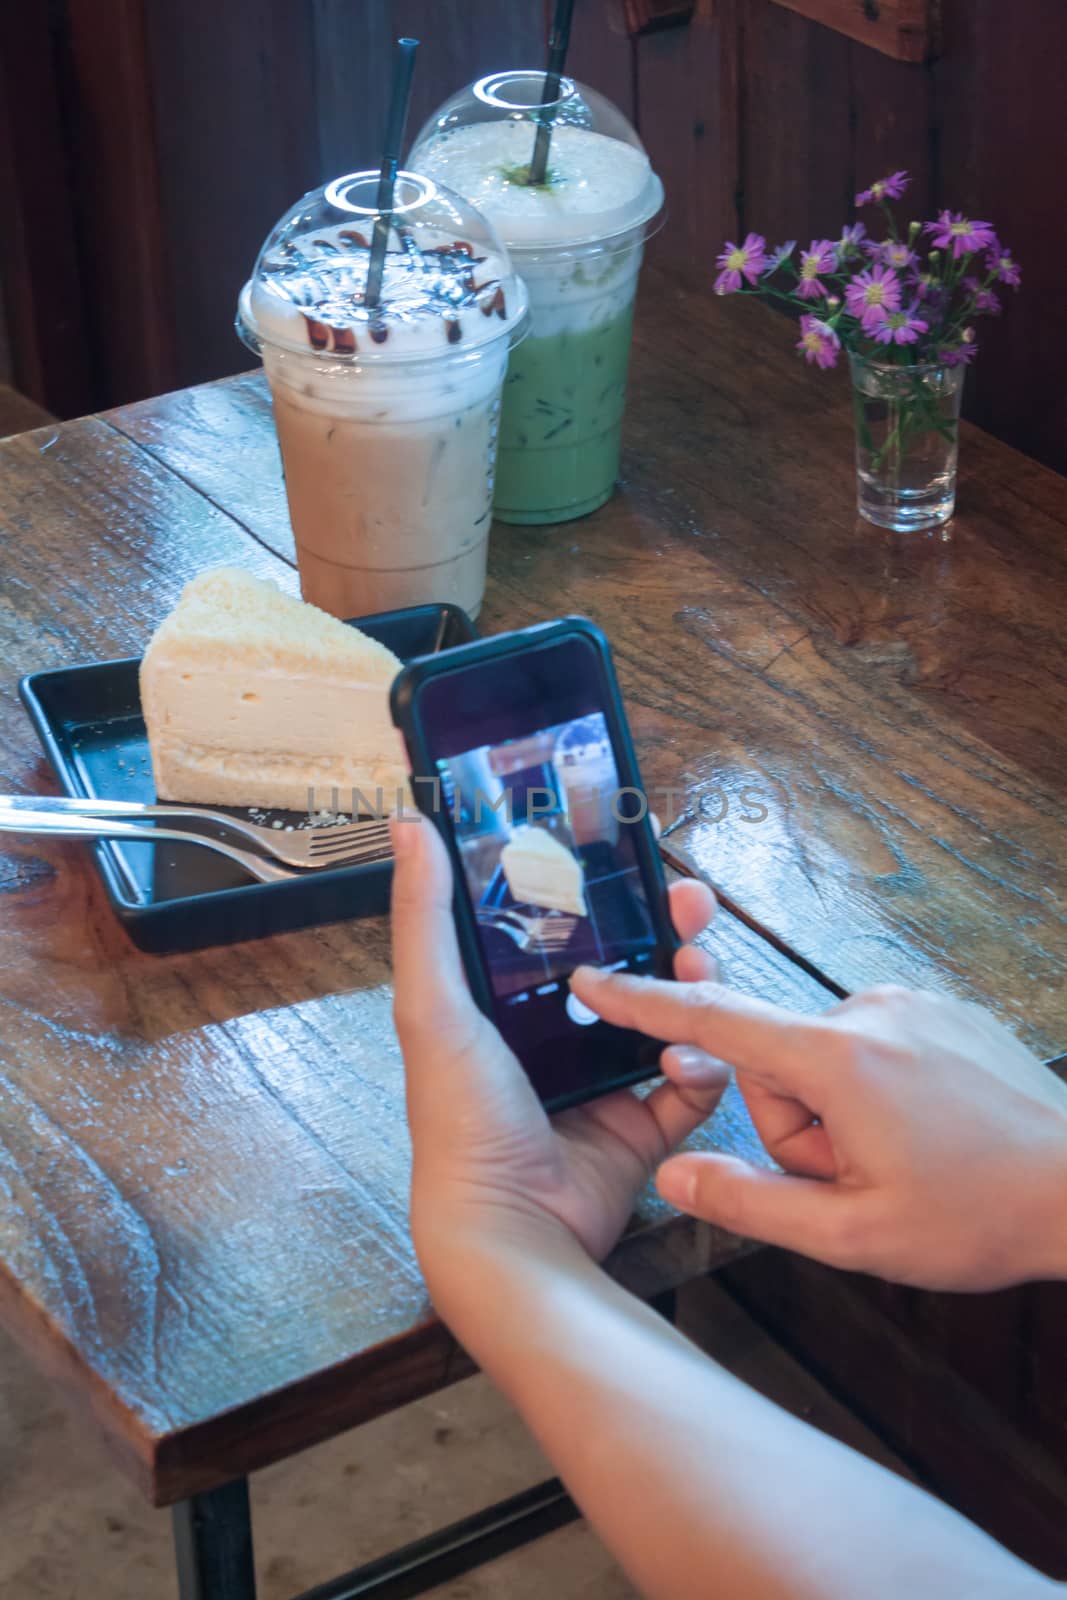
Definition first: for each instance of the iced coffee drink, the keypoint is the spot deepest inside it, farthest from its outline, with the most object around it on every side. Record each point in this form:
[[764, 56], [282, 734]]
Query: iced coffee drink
[[387, 414], [576, 240]]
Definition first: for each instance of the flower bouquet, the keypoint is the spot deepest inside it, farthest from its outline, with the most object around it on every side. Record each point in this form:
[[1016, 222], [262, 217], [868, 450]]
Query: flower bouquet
[[903, 307]]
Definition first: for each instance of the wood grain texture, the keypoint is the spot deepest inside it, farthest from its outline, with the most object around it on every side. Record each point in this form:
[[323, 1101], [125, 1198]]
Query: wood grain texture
[[1001, 73], [897, 707], [602, 54], [796, 131], [126, 273], [689, 111], [203, 1158], [46, 312], [229, 172], [459, 42], [893, 111], [246, 478], [653, 16], [906, 29]]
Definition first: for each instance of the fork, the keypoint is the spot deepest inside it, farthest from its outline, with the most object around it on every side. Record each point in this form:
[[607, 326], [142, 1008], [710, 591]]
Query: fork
[[331, 846], [66, 826], [62, 826], [548, 933]]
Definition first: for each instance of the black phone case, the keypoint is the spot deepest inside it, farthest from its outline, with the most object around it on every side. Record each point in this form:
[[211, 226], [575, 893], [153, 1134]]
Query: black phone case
[[404, 706]]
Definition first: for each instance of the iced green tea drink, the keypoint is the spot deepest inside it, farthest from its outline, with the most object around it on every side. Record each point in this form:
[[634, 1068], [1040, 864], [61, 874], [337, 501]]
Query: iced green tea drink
[[576, 240]]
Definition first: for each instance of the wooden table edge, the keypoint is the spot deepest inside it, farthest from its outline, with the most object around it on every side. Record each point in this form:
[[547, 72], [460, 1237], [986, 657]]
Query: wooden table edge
[[281, 1423], [168, 1467], [129, 1443]]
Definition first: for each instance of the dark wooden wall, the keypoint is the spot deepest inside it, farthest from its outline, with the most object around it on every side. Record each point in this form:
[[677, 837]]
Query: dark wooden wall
[[146, 146], [758, 118]]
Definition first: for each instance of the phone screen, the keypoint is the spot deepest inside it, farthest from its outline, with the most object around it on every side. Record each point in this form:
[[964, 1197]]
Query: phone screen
[[547, 840]]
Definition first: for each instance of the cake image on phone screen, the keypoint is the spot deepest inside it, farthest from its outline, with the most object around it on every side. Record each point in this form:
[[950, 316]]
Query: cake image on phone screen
[[551, 871], [253, 698], [542, 872]]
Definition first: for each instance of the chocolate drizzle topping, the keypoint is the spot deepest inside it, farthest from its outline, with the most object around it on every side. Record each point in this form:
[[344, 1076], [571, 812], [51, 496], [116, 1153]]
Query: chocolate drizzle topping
[[325, 277], [492, 302], [318, 333]]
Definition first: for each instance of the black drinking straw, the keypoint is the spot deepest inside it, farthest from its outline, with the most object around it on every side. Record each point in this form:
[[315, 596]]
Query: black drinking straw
[[403, 67], [558, 40]]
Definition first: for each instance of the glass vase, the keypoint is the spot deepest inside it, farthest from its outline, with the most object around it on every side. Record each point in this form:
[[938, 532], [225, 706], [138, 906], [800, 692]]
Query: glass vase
[[907, 433]]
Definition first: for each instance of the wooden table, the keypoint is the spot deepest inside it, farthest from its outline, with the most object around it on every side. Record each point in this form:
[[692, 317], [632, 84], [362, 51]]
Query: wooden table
[[203, 1159]]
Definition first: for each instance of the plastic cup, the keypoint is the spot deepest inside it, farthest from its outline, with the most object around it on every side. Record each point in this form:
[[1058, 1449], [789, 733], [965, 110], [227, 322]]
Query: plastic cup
[[387, 415], [577, 243]]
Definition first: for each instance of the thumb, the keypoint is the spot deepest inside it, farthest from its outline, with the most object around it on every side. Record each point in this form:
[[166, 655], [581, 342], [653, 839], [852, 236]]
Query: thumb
[[803, 1214], [432, 1001]]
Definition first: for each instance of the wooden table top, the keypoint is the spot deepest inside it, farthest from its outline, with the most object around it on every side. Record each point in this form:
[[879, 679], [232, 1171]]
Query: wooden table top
[[203, 1159]]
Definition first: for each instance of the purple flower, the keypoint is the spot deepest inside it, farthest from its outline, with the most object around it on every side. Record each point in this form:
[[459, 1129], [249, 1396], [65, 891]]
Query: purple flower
[[890, 188], [851, 239], [899, 327], [984, 299], [896, 254], [872, 292], [741, 261], [777, 257], [1000, 261], [953, 228], [818, 343], [820, 256], [962, 356]]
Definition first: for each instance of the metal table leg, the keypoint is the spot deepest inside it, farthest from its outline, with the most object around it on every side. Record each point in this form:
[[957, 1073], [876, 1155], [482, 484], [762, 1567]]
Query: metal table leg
[[213, 1543], [457, 1549], [213, 1537]]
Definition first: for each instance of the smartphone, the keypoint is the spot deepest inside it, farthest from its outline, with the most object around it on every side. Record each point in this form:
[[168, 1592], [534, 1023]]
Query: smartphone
[[521, 755]]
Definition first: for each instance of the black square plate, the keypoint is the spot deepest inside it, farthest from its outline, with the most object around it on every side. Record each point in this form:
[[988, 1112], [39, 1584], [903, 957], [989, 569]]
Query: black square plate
[[182, 897]]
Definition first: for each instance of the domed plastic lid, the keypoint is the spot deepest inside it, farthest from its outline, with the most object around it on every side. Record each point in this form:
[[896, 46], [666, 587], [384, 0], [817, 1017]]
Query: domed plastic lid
[[447, 284], [598, 180]]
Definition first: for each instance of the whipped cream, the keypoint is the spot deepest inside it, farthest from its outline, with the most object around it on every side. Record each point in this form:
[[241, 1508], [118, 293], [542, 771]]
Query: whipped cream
[[438, 297], [598, 186], [572, 293]]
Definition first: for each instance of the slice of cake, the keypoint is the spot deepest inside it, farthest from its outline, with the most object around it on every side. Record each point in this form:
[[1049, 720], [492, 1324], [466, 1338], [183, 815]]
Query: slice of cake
[[542, 872], [252, 698]]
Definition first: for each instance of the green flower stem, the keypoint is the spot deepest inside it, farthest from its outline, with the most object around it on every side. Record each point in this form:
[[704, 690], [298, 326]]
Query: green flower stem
[[778, 294], [910, 415]]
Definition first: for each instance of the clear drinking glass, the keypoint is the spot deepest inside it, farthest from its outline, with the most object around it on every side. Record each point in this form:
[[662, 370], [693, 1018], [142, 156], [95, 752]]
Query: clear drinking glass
[[907, 433]]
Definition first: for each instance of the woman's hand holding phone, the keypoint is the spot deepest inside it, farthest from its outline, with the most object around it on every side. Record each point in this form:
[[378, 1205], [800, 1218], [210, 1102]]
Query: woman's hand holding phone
[[681, 1469], [918, 1138], [489, 1164]]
